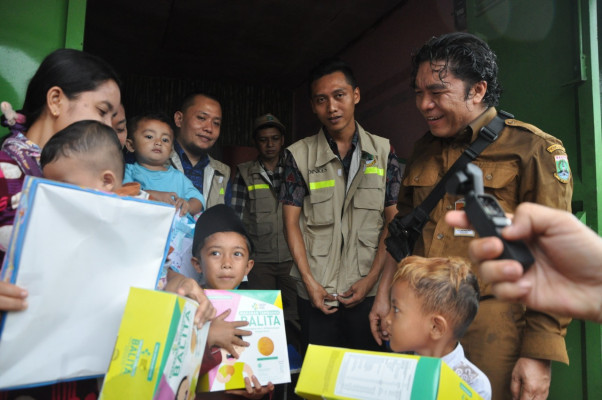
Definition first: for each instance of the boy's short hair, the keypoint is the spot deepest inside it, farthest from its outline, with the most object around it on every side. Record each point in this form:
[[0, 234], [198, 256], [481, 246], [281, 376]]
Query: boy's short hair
[[330, 66], [444, 285], [86, 138], [132, 123], [219, 218]]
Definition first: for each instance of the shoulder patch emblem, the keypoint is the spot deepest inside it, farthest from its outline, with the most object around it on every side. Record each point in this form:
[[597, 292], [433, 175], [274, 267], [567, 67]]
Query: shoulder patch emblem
[[563, 172], [555, 147]]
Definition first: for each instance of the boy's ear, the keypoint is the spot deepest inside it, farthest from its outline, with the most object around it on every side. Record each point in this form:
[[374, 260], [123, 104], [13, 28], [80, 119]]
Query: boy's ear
[[439, 326], [109, 181], [250, 264], [129, 144], [196, 265]]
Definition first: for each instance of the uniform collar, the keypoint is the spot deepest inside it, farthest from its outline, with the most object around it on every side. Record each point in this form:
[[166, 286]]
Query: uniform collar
[[470, 133], [279, 164], [457, 354], [327, 144], [333, 145], [482, 120], [203, 162]]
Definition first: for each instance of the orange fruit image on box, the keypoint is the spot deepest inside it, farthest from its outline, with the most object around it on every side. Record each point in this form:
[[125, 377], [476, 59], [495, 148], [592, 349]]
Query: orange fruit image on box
[[265, 346]]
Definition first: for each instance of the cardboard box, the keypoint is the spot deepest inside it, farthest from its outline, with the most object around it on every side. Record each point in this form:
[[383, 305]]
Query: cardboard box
[[267, 355], [77, 252], [159, 350], [337, 373], [180, 248]]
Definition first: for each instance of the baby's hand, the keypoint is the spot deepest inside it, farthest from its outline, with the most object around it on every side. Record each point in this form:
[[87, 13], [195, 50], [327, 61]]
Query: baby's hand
[[163, 197], [225, 334], [182, 205], [195, 206]]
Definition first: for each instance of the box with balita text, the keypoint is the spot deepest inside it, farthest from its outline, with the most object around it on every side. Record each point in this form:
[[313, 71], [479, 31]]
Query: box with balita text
[[267, 355], [159, 350]]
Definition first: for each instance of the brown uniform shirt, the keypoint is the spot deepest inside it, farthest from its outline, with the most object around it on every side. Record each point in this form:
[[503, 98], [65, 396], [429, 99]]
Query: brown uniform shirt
[[523, 164]]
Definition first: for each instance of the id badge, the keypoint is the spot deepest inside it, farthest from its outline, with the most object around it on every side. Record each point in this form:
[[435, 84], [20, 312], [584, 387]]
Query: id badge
[[459, 206]]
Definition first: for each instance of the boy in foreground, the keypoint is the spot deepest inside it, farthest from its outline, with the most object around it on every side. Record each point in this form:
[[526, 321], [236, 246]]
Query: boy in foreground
[[433, 301], [221, 251]]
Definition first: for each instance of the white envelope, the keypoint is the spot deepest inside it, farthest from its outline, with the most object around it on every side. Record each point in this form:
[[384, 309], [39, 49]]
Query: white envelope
[[77, 252]]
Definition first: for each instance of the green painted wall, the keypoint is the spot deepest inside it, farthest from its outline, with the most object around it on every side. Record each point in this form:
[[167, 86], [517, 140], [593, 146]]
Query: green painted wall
[[549, 70], [31, 29], [548, 57]]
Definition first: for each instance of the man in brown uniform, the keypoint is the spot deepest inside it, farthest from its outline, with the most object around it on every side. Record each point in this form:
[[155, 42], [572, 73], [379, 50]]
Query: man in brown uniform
[[455, 81]]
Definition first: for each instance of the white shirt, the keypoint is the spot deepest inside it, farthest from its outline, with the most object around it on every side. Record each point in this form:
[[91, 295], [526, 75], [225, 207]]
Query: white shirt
[[469, 372]]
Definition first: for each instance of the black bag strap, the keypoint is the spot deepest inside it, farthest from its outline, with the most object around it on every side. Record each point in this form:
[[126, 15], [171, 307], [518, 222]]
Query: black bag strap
[[487, 135]]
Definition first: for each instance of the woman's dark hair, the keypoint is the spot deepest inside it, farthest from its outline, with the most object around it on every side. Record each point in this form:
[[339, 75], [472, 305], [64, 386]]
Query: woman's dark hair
[[469, 58], [73, 71]]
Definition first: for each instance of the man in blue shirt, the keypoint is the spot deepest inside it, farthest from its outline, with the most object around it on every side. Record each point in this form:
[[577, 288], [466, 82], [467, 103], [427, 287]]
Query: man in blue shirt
[[199, 121]]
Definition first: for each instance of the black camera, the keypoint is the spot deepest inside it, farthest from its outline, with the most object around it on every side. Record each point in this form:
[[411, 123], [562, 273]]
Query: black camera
[[485, 213]]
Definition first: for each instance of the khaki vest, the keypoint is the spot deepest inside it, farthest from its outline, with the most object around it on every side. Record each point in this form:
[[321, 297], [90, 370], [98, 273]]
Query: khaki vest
[[215, 179], [262, 215], [341, 222]]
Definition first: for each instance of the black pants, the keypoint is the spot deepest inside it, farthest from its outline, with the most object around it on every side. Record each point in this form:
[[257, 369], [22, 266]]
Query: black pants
[[348, 327]]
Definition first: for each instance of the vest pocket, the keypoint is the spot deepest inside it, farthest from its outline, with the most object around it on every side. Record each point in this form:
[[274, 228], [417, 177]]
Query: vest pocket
[[262, 205], [367, 245], [369, 198], [320, 206], [318, 252], [261, 231]]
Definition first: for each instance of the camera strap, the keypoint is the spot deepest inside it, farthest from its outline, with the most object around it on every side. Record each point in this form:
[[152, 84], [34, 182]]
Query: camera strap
[[487, 135]]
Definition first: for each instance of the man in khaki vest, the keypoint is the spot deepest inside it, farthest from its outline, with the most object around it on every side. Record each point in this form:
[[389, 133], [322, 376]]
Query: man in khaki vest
[[199, 120], [255, 199], [339, 191]]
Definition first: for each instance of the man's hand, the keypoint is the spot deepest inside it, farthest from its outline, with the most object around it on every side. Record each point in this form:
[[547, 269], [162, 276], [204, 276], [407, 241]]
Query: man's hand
[[382, 301], [377, 316], [225, 334], [559, 242], [357, 292], [531, 379], [318, 295], [12, 297], [253, 390]]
